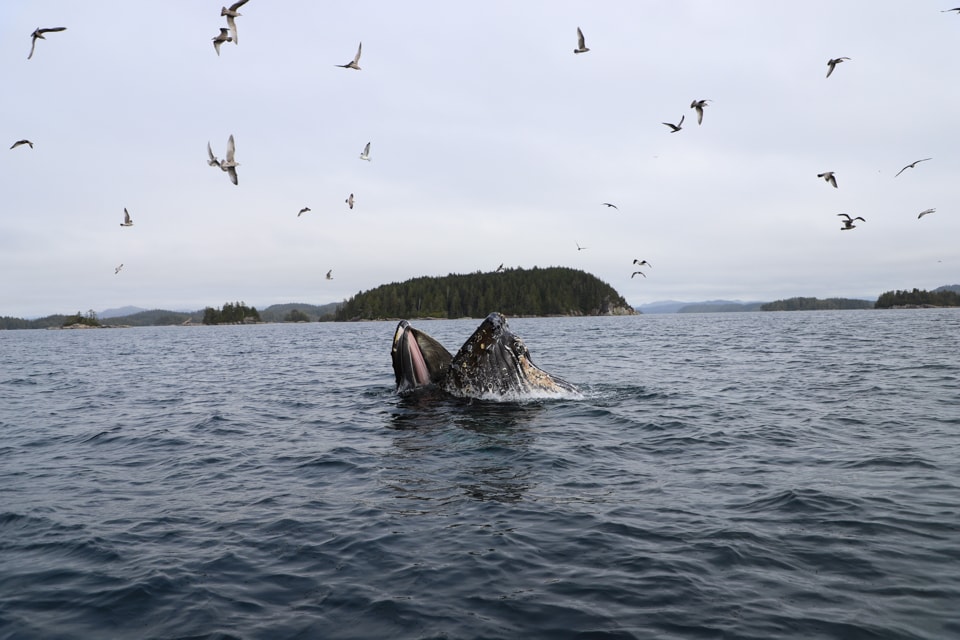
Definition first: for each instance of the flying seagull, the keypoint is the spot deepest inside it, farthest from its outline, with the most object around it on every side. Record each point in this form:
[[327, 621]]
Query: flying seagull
[[349, 201], [640, 272], [218, 40], [302, 211], [848, 223], [213, 162], [699, 105], [127, 220], [117, 270], [957, 9], [38, 35], [365, 154], [833, 62], [612, 206], [925, 212], [912, 165], [500, 268], [579, 248], [20, 142], [675, 127], [641, 263], [230, 165], [232, 13], [581, 45], [330, 274], [355, 63], [829, 177]]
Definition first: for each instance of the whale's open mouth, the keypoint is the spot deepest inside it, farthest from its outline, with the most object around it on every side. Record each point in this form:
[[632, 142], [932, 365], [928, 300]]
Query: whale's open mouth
[[418, 359]]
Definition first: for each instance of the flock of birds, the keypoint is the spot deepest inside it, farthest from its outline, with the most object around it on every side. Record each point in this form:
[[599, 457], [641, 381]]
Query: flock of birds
[[698, 105], [229, 164]]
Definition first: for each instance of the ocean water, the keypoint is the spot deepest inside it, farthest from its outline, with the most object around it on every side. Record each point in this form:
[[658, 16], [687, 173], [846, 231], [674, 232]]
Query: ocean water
[[748, 475]]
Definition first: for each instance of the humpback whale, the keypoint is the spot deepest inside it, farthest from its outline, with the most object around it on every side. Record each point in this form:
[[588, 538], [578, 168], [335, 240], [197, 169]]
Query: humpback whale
[[493, 363]]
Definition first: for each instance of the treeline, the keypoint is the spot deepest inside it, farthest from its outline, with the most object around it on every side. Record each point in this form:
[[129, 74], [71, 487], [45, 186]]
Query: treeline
[[514, 292], [942, 297], [56, 320], [231, 313], [816, 304]]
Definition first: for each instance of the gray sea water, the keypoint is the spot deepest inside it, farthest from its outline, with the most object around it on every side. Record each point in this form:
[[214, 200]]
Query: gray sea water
[[749, 475]]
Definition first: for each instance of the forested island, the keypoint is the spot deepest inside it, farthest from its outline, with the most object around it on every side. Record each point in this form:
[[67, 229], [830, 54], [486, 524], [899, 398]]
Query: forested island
[[552, 291], [816, 304], [948, 296]]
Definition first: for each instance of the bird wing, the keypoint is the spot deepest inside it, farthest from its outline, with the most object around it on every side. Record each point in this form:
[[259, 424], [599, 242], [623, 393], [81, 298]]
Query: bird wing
[[52, 29], [356, 58], [33, 43], [581, 43], [213, 158], [238, 4], [126, 216], [366, 149], [231, 149], [233, 174], [232, 23], [845, 215], [681, 120]]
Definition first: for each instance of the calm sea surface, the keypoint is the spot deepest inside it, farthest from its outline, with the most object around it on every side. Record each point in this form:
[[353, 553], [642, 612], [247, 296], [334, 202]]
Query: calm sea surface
[[745, 475]]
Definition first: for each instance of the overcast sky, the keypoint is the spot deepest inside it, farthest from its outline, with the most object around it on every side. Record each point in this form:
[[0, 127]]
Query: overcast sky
[[492, 142]]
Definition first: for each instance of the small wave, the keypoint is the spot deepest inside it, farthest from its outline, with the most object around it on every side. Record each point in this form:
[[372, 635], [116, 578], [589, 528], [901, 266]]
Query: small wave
[[888, 462]]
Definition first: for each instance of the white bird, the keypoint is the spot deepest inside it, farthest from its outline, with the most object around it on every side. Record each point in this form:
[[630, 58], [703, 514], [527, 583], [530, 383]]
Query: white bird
[[117, 270], [355, 63], [848, 223], [20, 142], [302, 211], [833, 62], [213, 162], [641, 263], [232, 13], [230, 164], [220, 39], [581, 44], [38, 35], [127, 220], [925, 212], [675, 127], [365, 154], [349, 201], [912, 165], [330, 274], [699, 105], [829, 177]]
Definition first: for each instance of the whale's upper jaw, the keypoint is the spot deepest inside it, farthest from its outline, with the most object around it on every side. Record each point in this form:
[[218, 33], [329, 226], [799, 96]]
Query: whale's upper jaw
[[494, 362], [418, 359]]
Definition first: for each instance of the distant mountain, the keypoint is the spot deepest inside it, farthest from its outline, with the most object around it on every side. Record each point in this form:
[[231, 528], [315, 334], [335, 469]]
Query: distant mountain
[[948, 287], [706, 306], [120, 311], [720, 306], [279, 312], [661, 306]]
